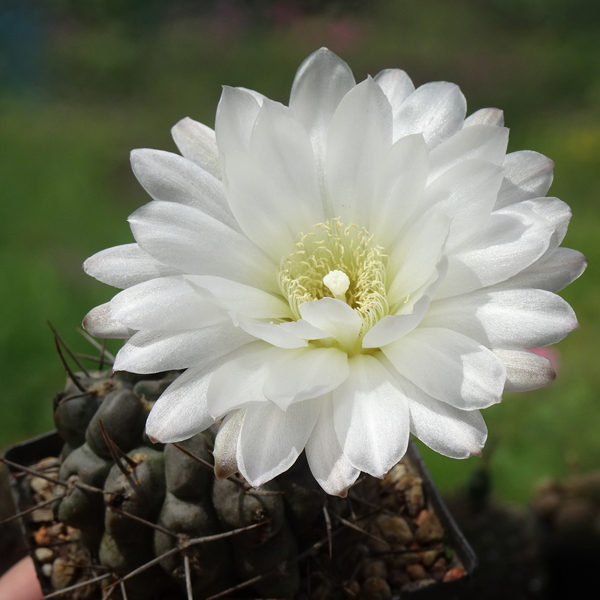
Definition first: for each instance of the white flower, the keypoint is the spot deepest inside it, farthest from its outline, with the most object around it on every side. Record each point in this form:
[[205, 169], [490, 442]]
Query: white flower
[[335, 275]]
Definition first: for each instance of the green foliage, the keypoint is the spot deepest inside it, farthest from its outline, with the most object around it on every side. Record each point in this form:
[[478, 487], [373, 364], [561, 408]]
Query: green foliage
[[110, 87]]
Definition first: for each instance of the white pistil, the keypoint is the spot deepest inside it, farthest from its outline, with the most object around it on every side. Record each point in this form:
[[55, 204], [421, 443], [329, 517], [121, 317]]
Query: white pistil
[[338, 283]]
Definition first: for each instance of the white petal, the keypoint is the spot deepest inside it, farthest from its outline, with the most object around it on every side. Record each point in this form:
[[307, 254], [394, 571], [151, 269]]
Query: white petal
[[399, 183], [466, 193], [156, 351], [448, 430], [553, 272], [195, 243], [335, 317], [239, 298], [485, 142], [260, 98], [416, 257], [306, 374], [272, 439], [522, 318], [198, 143], [485, 116], [170, 177], [100, 323], [240, 381], [332, 470], [428, 290], [226, 444], [236, 114], [181, 411], [273, 189], [371, 417], [449, 366], [525, 370], [555, 211], [561, 264], [124, 266], [393, 327], [396, 85], [359, 133], [273, 334], [528, 174], [508, 242], [165, 303], [437, 110], [289, 335], [305, 330], [322, 80]]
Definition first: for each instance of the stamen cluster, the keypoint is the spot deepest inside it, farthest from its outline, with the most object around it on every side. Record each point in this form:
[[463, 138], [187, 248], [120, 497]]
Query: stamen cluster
[[333, 246]]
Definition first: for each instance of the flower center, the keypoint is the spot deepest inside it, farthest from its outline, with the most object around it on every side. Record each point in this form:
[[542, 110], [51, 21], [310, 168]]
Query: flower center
[[338, 261]]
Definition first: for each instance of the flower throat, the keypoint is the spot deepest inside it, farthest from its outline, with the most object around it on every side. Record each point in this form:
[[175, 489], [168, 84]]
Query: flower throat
[[334, 247]]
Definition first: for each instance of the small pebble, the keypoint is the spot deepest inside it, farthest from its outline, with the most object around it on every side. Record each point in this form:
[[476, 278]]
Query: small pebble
[[402, 560], [375, 588], [42, 536], [416, 572], [40, 485], [430, 530], [453, 575], [63, 574], [396, 473], [47, 569], [42, 515], [438, 571], [415, 500], [421, 516], [395, 530], [44, 555], [406, 482], [57, 529], [377, 545], [352, 590], [374, 568], [429, 557]]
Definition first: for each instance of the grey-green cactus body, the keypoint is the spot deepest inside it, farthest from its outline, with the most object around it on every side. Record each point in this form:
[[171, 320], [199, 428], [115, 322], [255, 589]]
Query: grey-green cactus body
[[165, 486]]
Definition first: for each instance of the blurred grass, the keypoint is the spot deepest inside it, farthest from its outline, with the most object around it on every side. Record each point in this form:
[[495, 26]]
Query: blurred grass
[[106, 86]]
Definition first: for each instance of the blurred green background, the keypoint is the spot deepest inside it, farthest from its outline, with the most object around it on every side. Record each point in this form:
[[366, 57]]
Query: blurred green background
[[84, 81]]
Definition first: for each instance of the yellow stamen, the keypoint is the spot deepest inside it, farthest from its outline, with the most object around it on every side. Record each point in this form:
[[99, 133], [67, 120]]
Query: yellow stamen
[[329, 257]]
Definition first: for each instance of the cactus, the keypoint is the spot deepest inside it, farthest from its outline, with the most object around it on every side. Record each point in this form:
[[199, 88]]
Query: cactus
[[153, 520], [172, 487]]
